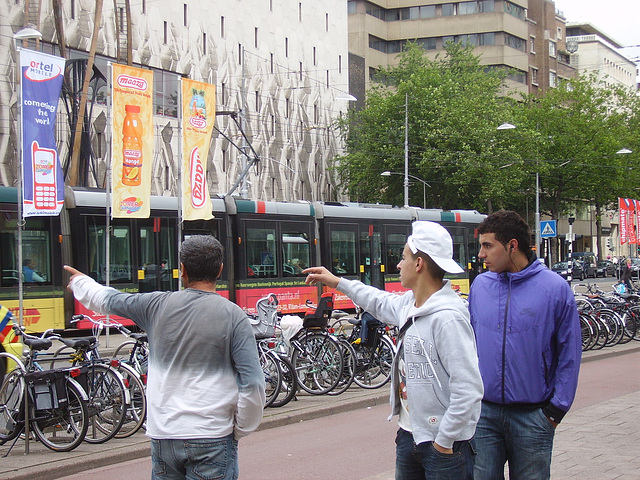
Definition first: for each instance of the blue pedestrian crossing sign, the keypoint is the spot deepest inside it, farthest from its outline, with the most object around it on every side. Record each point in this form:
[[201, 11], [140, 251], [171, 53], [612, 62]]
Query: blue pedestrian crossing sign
[[548, 229]]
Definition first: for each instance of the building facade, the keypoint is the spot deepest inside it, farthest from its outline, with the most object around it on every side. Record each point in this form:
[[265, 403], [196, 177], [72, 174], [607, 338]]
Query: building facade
[[280, 69], [525, 36], [600, 53]]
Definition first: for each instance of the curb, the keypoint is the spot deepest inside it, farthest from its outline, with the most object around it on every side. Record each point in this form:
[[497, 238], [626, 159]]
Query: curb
[[608, 353]]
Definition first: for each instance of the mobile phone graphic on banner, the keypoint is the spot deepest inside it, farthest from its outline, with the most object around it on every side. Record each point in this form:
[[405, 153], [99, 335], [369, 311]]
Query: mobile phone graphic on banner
[[45, 186]]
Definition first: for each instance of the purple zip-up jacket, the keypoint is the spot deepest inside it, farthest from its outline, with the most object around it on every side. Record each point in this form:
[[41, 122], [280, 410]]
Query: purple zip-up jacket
[[528, 338]]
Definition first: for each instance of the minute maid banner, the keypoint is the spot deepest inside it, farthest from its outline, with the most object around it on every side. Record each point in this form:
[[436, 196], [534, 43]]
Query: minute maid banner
[[198, 115], [131, 141], [41, 81]]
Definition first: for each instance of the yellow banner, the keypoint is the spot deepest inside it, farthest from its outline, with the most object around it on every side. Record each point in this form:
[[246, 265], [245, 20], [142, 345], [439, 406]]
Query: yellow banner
[[131, 141], [198, 116]]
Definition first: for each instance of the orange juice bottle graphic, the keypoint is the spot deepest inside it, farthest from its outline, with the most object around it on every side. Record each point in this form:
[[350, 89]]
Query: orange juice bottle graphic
[[131, 146]]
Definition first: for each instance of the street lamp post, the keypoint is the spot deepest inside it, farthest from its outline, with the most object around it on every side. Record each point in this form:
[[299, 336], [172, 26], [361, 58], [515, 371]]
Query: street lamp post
[[387, 173]]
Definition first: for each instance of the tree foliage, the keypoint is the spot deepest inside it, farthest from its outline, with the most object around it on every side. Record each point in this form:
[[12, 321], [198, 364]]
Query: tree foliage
[[454, 105]]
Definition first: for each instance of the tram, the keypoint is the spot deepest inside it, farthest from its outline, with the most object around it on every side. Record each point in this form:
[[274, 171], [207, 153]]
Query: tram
[[267, 245]]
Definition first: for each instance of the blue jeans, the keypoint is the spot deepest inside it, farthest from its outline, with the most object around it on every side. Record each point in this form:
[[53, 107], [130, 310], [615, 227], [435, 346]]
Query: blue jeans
[[424, 462], [521, 436], [195, 459]]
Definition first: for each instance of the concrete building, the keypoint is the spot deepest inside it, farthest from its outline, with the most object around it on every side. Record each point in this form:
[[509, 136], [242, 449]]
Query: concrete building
[[599, 52], [279, 66], [526, 36]]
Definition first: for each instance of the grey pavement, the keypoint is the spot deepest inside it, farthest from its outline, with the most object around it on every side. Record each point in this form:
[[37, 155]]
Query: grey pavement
[[597, 442]]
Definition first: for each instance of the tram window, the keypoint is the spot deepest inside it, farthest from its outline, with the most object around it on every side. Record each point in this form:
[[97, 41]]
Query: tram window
[[261, 252], [395, 246], [343, 252], [119, 255], [460, 254], [157, 267], [295, 253], [36, 252]]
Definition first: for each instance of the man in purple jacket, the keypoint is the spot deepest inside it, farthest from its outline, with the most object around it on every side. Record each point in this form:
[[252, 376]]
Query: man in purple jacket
[[529, 348]]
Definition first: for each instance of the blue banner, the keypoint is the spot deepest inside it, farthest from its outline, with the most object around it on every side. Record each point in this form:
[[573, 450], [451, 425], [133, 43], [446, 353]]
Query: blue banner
[[42, 180]]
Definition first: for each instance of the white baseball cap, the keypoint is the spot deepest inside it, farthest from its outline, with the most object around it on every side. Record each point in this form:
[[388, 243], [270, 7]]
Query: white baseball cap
[[434, 240]]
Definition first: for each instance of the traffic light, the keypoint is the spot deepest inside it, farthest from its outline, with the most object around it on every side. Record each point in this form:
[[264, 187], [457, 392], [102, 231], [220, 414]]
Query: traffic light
[[609, 244]]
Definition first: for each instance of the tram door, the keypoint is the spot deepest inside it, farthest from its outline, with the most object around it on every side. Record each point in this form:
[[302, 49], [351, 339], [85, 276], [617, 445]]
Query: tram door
[[370, 257], [158, 259]]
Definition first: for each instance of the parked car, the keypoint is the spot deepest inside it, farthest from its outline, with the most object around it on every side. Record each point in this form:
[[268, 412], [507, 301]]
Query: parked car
[[589, 263], [562, 269], [606, 268]]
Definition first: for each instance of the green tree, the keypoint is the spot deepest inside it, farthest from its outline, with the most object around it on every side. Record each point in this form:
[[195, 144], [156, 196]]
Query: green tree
[[453, 104]]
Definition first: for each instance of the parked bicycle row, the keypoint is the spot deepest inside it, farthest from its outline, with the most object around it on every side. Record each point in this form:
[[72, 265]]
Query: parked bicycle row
[[607, 318], [73, 394], [318, 356]]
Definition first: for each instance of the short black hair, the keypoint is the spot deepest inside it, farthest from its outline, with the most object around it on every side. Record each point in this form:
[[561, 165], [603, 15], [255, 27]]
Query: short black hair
[[432, 267], [202, 257], [507, 225]]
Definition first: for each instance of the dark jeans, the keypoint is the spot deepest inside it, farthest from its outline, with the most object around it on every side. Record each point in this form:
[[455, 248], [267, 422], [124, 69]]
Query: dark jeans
[[521, 436], [195, 459], [424, 462]]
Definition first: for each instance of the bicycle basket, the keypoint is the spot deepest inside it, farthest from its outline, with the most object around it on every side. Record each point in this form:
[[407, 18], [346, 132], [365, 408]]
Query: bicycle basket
[[264, 325], [47, 389]]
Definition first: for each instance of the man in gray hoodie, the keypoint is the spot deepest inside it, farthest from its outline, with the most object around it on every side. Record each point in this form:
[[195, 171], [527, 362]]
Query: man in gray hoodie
[[436, 386]]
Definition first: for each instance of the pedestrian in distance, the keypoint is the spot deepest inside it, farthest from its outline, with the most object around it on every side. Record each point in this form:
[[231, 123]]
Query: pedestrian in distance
[[626, 275], [529, 348], [205, 389], [436, 386]]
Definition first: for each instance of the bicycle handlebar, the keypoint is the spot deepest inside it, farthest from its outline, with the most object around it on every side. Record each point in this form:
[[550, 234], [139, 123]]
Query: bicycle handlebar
[[102, 324]]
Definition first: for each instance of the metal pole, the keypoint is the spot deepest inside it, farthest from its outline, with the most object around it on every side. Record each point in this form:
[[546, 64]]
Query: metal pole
[[537, 219], [406, 150], [424, 195], [243, 189], [570, 273], [20, 222]]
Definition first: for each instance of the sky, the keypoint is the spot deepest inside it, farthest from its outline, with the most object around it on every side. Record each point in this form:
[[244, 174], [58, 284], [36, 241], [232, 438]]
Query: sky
[[619, 19]]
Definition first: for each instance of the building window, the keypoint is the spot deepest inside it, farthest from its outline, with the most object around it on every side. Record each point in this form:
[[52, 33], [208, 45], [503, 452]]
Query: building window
[[287, 108], [240, 54], [532, 44], [559, 33], [72, 13], [257, 101], [224, 160], [271, 62], [299, 11], [300, 70], [351, 7], [184, 14], [204, 43], [553, 79], [514, 42], [449, 9], [315, 114], [286, 47], [326, 22], [514, 10], [221, 27], [255, 37], [223, 88], [427, 43], [164, 33], [534, 76], [315, 60], [165, 93], [552, 48], [428, 11], [467, 8], [144, 7]]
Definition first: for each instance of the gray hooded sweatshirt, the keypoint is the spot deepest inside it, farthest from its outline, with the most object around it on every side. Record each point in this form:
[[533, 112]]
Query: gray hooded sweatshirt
[[444, 387]]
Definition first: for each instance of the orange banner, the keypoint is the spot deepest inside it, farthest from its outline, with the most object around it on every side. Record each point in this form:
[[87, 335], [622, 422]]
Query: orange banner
[[198, 116], [131, 141]]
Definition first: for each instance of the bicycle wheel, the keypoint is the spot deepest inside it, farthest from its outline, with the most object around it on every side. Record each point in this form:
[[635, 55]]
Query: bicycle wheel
[[602, 330], [11, 405], [373, 365], [317, 362], [135, 354], [289, 384], [62, 429], [348, 367], [588, 332], [137, 411], [108, 403], [613, 320], [272, 375]]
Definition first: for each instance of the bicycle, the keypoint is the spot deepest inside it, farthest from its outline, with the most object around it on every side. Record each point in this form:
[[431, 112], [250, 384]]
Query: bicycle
[[109, 397], [317, 357], [375, 351], [51, 403]]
